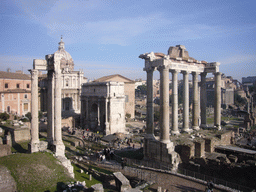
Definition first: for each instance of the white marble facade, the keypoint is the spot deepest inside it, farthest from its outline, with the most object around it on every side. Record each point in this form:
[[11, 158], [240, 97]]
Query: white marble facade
[[103, 107]]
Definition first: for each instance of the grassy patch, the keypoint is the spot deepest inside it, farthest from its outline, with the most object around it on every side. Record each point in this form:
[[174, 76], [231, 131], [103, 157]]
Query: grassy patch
[[84, 177], [20, 147], [35, 172]]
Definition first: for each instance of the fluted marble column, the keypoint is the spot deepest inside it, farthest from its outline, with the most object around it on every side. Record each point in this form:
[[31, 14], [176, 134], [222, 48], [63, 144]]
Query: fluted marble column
[[50, 108], [150, 105], [59, 146], [195, 112], [185, 102], [164, 104], [175, 129], [217, 101], [34, 144], [203, 99]]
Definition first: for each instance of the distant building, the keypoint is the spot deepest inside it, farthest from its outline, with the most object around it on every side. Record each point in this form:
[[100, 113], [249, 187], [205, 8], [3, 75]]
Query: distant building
[[249, 81], [71, 84], [15, 91], [103, 107], [129, 91], [227, 91]]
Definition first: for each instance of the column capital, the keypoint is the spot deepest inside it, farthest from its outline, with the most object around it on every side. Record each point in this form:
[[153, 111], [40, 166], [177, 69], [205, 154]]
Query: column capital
[[149, 69], [162, 67], [173, 71], [203, 74], [217, 73], [185, 72], [195, 73]]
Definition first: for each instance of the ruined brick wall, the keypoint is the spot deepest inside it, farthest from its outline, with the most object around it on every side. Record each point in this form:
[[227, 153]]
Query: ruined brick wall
[[225, 138], [5, 150]]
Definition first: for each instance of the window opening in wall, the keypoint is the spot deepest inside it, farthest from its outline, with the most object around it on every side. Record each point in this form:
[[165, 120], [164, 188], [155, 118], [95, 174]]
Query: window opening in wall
[[126, 98], [8, 109], [25, 106], [114, 94], [6, 85], [17, 85], [66, 83], [27, 85], [25, 96]]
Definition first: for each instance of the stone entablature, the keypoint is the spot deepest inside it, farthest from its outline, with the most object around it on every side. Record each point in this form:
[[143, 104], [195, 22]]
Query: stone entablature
[[103, 107]]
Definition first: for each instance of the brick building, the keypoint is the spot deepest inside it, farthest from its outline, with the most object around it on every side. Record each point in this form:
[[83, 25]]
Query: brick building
[[15, 91]]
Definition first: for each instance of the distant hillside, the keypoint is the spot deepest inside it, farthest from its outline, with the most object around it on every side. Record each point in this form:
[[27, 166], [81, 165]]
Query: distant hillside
[[35, 172]]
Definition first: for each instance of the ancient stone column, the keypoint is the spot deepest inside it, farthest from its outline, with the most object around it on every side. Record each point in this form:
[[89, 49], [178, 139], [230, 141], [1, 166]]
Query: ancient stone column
[[58, 143], [34, 143], [106, 117], [203, 98], [217, 101], [175, 129], [50, 108], [164, 104], [185, 102], [150, 105], [195, 111]]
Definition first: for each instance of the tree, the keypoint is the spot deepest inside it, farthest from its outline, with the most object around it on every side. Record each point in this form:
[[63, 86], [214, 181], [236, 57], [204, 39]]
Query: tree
[[4, 116], [141, 90], [239, 100]]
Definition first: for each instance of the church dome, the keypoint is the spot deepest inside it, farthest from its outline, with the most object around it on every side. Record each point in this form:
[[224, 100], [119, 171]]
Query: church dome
[[66, 61]]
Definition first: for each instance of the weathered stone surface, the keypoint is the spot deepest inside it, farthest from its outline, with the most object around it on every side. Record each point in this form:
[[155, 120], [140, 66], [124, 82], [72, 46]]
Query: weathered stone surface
[[7, 183], [67, 164], [122, 183], [5, 150], [98, 187]]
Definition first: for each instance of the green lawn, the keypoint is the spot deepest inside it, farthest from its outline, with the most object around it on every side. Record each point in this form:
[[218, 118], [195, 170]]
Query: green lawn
[[35, 172]]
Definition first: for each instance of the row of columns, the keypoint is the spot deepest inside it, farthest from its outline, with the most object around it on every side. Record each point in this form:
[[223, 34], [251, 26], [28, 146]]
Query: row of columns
[[54, 133], [164, 102]]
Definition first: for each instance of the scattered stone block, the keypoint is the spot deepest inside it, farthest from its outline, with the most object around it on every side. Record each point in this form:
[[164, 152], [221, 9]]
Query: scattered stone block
[[98, 188], [122, 183], [5, 150]]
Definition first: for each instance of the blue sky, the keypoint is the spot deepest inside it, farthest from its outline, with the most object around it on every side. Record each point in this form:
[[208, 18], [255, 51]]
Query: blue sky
[[106, 37]]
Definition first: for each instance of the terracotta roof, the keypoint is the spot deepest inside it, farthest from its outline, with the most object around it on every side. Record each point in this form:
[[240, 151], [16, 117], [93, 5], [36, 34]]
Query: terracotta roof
[[9, 75], [109, 77]]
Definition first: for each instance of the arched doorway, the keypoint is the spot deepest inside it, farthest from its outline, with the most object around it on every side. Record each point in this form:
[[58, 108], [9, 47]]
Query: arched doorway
[[94, 116]]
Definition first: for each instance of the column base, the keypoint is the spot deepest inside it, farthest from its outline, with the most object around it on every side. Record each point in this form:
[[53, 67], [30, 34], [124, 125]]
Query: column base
[[187, 130], [149, 136], [175, 132], [203, 126], [59, 149], [196, 127], [166, 141], [33, 147], [218, 127]]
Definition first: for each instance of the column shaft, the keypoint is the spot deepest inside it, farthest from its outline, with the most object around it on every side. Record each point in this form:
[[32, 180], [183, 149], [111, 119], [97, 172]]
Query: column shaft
[[175, 129], [34, 112], [50, 108], [195, 113], [57, 108], [203, 98], [150, 105], [217, 101], [185, 102], [164, 104]]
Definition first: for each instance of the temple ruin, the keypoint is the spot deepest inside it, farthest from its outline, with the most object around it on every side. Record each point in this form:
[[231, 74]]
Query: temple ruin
[[53, 65], [177, 61]]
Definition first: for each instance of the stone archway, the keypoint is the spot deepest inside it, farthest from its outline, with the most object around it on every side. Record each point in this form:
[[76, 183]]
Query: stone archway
[[94, 117]]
